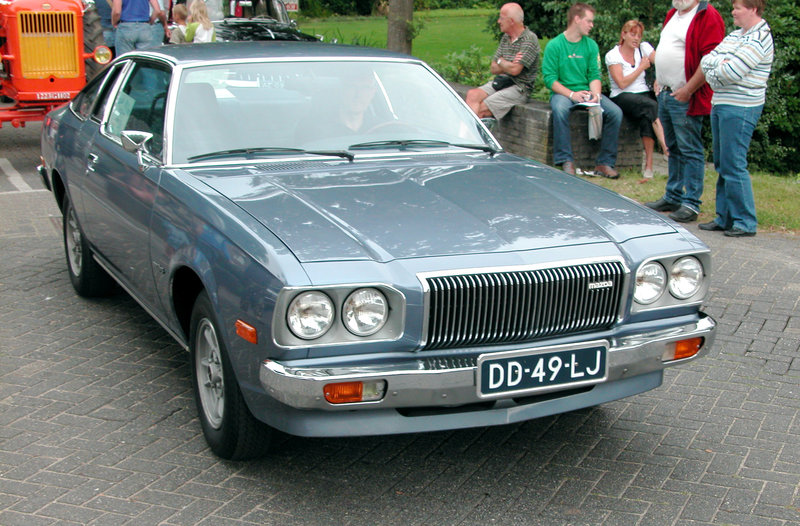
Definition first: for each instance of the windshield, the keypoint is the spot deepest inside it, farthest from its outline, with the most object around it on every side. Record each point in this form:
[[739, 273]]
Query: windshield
[[268, 108]]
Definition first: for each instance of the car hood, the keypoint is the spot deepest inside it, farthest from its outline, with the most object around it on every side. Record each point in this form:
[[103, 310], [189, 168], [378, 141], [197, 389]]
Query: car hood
[[429, 207]]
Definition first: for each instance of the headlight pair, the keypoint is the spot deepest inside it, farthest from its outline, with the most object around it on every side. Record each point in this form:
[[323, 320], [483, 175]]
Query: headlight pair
[[684, 280], [311, 314]]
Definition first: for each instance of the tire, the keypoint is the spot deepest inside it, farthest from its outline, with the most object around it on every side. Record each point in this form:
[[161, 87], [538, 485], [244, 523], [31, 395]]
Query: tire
[[232, 432], [92, 37], [88, 278]]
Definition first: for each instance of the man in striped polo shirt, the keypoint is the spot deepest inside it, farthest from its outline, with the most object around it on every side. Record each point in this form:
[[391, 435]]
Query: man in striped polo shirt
[[517, 57], [737, 70]]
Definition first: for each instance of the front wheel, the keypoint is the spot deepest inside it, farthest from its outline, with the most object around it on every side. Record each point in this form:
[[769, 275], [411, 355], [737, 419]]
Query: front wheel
[[231, 431], [88, 278]]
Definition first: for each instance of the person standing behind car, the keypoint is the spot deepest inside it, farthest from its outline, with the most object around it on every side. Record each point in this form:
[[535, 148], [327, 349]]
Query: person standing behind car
[[132, 20], [200, 29], [517, 57], [692, 29], [737, 70], [571, 69], [179, 15], [626, 63]]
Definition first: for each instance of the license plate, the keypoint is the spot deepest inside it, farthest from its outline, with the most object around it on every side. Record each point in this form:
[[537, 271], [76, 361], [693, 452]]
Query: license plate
[[546, 369]]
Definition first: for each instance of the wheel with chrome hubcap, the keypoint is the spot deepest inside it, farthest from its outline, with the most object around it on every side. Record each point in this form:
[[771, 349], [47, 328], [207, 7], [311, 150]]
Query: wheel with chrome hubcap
[[232, 432], [88, 278]]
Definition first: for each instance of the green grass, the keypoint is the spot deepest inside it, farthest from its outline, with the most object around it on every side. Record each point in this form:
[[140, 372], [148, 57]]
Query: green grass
[[443, 31], [777, 198]]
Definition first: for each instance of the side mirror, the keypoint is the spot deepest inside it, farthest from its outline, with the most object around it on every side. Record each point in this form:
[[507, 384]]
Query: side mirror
[[135, 141]]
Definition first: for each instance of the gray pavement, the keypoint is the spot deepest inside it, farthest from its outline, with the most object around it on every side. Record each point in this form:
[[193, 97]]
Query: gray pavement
[[97, 423]]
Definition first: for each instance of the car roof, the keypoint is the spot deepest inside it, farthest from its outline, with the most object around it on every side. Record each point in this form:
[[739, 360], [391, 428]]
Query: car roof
[[187, 54]]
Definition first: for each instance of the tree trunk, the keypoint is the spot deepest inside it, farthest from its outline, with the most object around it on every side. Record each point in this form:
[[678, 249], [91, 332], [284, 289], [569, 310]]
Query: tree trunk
[[398, 36]]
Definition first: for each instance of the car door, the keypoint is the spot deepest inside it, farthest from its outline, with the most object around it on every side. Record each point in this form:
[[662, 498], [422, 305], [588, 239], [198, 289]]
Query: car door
[[76, 130], [120, 190]]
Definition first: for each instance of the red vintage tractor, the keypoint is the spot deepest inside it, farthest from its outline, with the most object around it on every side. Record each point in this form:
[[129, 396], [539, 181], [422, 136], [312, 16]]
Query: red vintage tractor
[[47, 47]]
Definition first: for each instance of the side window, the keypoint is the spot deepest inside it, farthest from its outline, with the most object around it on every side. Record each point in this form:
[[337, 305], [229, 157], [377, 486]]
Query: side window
[[102, 98], [83, 101], [141, 104]]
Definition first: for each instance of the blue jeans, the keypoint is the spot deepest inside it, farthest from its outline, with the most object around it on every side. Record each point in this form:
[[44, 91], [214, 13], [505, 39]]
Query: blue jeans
[[133, 35], [686, 166], [733, 127], [562, 141]]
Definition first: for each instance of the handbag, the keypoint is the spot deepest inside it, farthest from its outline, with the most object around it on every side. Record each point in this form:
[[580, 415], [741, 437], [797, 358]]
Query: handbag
[[502, 82]]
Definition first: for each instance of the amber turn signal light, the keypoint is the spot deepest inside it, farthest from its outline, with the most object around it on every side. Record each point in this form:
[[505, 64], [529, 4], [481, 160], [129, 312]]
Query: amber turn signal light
[[682, 349], [350, 392], [246, 331]]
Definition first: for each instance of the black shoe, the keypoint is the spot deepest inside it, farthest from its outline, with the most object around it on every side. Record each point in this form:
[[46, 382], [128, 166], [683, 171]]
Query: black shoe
[[662, 205], [711, 226], [738, 232], [684, 214]]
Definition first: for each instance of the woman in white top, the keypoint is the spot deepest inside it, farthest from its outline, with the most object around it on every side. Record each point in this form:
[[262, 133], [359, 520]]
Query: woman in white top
[[626, 63], [200, 29]]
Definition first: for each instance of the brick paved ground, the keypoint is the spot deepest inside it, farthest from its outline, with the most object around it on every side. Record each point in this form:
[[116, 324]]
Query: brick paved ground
[[97, 424]]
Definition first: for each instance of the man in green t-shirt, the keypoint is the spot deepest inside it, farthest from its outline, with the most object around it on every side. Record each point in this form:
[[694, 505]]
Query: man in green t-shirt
[[571, 69]]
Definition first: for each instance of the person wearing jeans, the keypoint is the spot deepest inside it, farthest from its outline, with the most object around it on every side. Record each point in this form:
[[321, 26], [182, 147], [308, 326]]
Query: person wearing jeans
[[571, 70], [561, 107], [692, 29], [686, 164], [132, 20], [738, 70]]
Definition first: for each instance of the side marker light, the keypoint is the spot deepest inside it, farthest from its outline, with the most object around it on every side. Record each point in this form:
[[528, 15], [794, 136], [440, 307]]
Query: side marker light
[[246, 331]]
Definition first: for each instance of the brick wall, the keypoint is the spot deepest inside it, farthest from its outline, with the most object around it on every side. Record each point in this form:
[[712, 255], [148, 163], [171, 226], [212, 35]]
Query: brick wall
[[527, 131]]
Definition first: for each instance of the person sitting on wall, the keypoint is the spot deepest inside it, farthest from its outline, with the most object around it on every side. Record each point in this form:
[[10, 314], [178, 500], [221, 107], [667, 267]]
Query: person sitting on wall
[[515, 64], [627, 63], [571, 69]]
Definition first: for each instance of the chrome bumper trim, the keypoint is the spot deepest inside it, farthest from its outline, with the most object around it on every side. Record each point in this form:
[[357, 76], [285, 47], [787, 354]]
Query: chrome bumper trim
[[421, 383]]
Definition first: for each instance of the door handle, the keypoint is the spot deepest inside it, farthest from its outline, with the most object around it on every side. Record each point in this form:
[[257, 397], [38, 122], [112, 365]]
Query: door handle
[[91, 159]]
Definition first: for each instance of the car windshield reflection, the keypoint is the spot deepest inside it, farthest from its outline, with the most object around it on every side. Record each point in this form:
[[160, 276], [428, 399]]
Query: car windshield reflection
[[318, 107]]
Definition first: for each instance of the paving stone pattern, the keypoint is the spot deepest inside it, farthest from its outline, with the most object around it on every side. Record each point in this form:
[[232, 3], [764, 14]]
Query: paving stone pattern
[[98, 426]]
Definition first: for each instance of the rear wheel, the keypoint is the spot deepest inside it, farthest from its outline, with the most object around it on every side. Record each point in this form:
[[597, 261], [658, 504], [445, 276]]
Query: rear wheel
[[88, 278], [92, 37], [231, 431]]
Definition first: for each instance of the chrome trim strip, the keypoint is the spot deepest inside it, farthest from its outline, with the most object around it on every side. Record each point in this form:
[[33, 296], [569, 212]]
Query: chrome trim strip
[[424, 383]]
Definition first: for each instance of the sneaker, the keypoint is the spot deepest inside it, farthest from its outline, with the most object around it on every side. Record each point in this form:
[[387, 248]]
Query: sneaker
[[662, 205], [648, 173], [603, 170], [711, 226], [684, 214], [568, 167], [738, 232]]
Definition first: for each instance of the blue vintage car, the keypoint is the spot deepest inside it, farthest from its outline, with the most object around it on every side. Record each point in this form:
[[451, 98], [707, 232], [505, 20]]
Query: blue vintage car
[[344, 249]]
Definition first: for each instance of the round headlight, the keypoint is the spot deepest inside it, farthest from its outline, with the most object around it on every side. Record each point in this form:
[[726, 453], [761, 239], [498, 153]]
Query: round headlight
[[364, 312], [310, 315], [651, 280], [685, 278]]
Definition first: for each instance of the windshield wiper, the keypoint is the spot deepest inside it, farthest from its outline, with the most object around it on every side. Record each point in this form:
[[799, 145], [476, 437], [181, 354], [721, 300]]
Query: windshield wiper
[[402, 144], [248, 152]]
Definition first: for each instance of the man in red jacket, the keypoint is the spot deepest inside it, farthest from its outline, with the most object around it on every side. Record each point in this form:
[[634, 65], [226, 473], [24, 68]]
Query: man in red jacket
[[691, 30]]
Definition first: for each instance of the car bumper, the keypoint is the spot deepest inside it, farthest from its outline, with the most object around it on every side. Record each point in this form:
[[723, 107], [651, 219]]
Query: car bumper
[[453, 382]]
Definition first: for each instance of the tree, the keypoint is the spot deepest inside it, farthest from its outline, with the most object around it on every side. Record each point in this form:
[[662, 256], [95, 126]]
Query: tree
[[399, 34]]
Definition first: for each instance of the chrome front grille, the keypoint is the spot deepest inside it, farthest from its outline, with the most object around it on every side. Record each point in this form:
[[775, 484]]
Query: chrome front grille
[[498, 307]]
